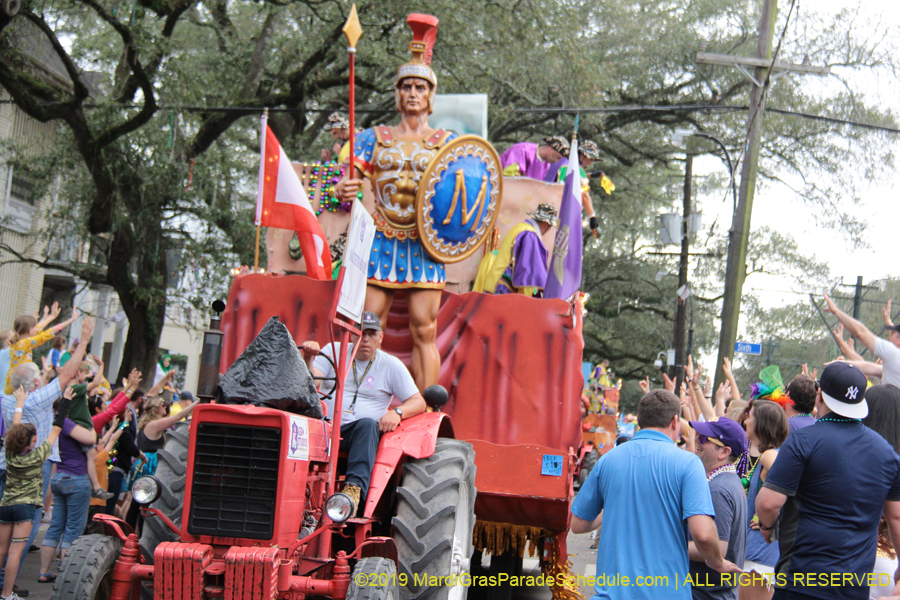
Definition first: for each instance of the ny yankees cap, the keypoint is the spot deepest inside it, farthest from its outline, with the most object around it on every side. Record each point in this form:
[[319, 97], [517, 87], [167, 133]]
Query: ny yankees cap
[[844, 390], [370, 321]]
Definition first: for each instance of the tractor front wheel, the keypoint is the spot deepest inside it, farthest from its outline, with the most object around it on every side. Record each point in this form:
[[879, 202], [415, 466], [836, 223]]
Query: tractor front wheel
[[374, 578], [434, 520], [87, 570], [171, 472]]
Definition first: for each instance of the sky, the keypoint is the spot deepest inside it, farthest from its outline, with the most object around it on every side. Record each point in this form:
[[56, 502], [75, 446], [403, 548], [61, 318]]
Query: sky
[[775, 204]]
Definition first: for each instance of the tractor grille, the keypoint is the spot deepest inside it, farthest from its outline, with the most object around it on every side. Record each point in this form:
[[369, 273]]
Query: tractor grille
[[234, 490]]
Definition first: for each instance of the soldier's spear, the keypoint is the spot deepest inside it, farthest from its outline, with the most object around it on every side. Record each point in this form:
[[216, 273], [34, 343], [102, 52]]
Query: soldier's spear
[[352, 31]]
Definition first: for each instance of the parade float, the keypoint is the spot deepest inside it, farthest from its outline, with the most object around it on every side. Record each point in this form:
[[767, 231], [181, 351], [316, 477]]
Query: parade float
[[246, 501]]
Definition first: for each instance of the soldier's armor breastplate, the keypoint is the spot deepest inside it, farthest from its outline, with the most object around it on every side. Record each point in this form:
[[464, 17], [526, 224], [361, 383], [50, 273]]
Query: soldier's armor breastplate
[[397, 168]]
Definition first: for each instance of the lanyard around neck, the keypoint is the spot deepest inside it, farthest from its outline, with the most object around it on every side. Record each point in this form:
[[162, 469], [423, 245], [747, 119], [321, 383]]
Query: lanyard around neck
[[352, 406]]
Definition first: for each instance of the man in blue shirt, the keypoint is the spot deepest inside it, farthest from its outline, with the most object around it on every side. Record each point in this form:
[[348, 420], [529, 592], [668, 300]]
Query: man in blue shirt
[[647, 557], [845, 476]]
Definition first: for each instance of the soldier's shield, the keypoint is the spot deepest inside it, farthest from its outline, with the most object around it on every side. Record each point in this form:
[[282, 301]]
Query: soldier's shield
[[459, 198]]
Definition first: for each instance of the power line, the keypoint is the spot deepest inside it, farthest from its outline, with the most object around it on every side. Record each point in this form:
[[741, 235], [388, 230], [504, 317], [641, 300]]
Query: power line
[[226, 109], [579, 110], [701, 108]]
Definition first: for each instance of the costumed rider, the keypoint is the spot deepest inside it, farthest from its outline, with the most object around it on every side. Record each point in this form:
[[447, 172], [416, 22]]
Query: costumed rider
[[527, 159], [339, 127], [372, 380], [394, 159], [520, 266], [588, 153]]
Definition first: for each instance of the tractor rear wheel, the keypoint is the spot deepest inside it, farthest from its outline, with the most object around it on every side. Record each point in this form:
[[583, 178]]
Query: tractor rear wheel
[[434, 520], [87, 570], [171, 473], [374, 578]]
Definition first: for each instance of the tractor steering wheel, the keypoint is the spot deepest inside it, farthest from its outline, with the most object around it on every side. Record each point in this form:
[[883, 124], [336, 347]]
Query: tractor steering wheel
[[333, 368]]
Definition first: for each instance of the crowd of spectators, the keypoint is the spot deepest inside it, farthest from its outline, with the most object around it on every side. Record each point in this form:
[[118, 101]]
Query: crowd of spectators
[[72, 444], [789, 491]]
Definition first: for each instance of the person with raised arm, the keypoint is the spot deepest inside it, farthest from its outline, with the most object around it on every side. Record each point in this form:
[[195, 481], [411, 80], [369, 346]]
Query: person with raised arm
[[38, 408], [23, 493], [888, 350], [29, 334]]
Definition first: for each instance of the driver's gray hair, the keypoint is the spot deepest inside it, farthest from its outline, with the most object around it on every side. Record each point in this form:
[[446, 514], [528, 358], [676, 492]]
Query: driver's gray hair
[[24, 376]]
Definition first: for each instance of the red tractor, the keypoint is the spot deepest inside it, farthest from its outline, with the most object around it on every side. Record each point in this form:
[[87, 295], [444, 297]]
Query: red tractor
[[244, 504]]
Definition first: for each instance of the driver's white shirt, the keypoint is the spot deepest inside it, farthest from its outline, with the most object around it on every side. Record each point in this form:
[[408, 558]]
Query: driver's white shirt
[[387, 377]]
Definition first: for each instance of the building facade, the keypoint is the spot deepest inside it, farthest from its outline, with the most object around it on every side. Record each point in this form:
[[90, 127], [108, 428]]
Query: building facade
[[26, 287]]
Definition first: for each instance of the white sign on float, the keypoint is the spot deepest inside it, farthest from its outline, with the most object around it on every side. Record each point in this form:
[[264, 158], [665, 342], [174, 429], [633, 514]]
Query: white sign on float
[[356, 263], [298, 444]]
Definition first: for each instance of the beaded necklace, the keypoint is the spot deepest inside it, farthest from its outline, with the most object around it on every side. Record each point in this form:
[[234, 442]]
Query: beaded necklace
[[745, 480], [329, 174], [730, 468], [840, 420], [800, 415]]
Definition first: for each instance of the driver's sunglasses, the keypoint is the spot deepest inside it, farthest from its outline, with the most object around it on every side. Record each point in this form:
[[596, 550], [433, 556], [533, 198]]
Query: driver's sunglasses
[[704, 439]]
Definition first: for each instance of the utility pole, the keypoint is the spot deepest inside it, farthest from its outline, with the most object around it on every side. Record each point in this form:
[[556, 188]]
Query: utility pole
[[677, 370], [736, 268], [857, 301]]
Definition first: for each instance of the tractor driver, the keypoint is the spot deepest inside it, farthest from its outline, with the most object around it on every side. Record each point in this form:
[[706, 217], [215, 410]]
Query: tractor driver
[[373, 379]]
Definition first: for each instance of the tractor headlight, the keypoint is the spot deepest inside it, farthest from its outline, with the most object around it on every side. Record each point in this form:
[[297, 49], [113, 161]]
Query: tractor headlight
[[146, 490], [339, 507]]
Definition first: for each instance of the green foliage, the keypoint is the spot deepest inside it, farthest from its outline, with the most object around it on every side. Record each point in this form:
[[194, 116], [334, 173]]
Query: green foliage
[[629, 396], [179, 361], [797, 334]]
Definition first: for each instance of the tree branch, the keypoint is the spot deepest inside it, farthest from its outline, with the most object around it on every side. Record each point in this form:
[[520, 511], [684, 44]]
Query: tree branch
[[90, 274], [149, 109], [81, 91], [132, 83], [258, 60]]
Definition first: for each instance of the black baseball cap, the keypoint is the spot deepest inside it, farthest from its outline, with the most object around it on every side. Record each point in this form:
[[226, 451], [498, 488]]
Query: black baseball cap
[[843, 389], [370, 321], [186, 395], [892, 328]]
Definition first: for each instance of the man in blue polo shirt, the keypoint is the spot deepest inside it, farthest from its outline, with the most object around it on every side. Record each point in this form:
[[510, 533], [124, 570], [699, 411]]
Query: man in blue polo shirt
[[844, 476], [646, 557]]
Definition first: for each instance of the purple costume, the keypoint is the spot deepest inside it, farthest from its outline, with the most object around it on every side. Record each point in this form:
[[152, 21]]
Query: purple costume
[[525, 155], [529, 266], [553, 171]]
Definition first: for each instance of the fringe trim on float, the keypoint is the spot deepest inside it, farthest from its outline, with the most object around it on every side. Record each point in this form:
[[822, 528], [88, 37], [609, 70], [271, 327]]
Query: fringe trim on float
[[561, 568], [497, 538]]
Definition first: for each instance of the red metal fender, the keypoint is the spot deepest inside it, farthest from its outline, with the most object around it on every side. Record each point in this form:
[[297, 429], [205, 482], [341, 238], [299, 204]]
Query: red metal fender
[[414, 437], [114, 526], [384, 547]]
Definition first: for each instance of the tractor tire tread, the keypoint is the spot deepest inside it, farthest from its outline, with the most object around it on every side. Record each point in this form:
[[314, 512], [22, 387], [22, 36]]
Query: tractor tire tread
[[87, 560], [423, 526], [374, 566], [171, 473]]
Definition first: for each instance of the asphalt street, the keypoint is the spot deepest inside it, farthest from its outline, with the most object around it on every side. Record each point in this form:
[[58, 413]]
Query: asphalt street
[[584, 562]]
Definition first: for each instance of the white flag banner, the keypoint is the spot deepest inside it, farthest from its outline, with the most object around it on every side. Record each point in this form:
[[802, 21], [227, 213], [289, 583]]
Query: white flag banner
[[356, 263]]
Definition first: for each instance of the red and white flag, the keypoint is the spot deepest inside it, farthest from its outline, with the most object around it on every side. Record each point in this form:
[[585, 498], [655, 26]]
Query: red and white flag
[[281, 202]]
